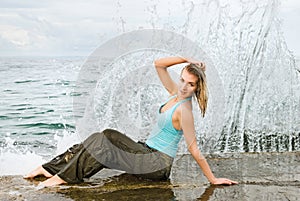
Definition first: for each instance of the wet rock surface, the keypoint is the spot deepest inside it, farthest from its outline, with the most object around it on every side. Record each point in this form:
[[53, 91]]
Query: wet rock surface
[[261, 176]]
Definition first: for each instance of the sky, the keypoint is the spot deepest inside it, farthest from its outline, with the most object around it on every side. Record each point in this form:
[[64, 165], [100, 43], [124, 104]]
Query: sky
[[70, 28], [290, 14]]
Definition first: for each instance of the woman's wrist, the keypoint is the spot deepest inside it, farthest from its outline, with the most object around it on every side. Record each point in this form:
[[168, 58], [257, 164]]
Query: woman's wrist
[[212, 180]]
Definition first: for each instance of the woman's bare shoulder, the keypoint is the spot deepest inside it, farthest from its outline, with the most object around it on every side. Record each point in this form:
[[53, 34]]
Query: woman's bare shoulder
[[185, 107]]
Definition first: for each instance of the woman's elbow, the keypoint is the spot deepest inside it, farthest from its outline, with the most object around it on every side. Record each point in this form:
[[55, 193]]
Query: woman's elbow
[[158, 63]]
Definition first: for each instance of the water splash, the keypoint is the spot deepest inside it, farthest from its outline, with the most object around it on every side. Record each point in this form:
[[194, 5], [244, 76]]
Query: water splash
[[259, 74], [16, 161]]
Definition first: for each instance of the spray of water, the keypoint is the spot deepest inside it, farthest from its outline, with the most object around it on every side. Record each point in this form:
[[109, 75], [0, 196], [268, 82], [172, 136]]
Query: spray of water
[[259, 75]]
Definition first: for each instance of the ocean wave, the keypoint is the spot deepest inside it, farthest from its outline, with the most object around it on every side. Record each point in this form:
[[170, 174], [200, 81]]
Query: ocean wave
[[26, 81], [47, 125], [25, 108], [44, 112], [5, 117]]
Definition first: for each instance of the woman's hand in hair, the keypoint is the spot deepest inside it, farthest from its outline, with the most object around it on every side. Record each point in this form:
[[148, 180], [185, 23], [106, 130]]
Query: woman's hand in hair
[[201, 64]]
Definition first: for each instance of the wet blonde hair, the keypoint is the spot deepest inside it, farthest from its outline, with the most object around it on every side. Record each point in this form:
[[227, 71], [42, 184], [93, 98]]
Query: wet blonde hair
[[201, 92]]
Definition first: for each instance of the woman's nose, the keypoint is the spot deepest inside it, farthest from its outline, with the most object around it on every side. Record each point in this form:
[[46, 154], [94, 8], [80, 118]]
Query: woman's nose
[[184, 85]]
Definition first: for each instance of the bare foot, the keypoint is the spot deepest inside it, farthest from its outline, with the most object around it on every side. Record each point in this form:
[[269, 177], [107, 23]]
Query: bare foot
[[38, 171], [55, 180]]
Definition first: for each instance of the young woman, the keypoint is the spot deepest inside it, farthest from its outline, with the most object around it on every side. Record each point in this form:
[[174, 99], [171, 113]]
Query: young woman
[[152, 159]]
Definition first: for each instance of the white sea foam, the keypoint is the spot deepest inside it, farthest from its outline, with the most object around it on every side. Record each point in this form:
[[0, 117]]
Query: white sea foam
[[18, 163], [14, 161]]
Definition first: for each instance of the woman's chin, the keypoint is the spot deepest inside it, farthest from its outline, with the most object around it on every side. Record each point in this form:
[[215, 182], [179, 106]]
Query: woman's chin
[[183, 95]]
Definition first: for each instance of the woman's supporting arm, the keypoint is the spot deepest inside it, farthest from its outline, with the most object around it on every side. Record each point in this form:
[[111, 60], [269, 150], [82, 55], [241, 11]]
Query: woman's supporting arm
[[187, 124]]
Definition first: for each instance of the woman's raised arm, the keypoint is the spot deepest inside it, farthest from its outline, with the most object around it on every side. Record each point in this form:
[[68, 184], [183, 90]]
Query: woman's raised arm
[[161, 66]]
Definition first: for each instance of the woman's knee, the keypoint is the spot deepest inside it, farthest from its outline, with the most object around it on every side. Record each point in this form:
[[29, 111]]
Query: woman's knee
[[107, 133], [111, 134]]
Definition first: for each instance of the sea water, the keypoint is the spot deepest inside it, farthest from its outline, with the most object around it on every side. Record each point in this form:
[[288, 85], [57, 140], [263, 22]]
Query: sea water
[[36, 110]]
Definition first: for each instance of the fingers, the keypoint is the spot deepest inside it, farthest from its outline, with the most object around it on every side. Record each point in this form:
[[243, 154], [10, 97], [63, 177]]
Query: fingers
[[230, 182], [198, 63], [225, 181], [201, 65], [234, 182]]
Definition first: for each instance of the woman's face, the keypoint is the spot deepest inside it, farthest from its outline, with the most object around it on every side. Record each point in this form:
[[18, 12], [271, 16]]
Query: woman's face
[[187, 84]]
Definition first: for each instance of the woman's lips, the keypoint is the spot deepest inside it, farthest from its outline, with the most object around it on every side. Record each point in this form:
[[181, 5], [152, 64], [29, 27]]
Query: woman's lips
[[182, 92]]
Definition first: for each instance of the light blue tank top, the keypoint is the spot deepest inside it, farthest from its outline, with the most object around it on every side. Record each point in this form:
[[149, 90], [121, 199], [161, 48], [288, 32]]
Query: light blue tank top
[[164, 137]]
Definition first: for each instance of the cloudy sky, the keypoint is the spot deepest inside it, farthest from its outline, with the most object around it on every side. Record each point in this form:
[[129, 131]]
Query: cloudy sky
[[66, 27]]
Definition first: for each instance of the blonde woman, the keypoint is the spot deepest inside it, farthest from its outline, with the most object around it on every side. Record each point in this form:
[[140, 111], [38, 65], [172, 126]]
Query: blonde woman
[[151, 159]]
